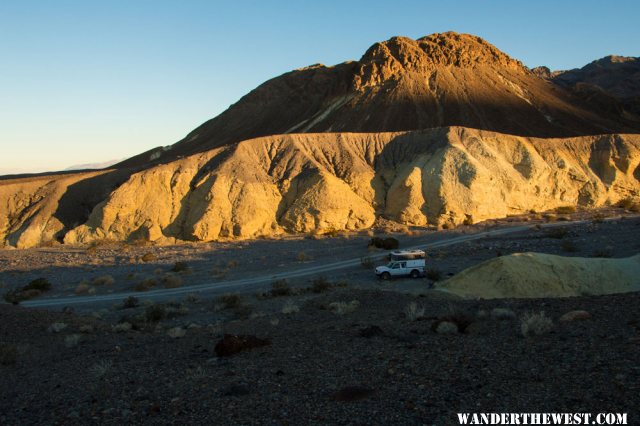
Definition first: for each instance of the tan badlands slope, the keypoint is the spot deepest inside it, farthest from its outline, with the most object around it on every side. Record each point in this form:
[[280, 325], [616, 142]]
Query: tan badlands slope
[[322, 182], [526, 275]]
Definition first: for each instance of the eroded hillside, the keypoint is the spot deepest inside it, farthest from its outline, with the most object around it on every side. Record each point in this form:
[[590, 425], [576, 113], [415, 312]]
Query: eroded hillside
[[324, 182]]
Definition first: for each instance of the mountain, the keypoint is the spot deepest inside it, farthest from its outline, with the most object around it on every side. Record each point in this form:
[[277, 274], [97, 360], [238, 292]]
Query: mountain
[[401, 84], [92, 166], [609, 84], [441, 130]]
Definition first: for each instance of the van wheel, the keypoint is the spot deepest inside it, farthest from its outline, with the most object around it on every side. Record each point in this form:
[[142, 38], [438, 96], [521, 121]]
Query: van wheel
[[385, 276], [415, 273]]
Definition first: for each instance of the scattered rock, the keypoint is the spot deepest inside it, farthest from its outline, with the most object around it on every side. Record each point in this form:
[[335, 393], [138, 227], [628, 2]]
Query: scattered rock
[[236, 389], [231, 344], [353, 393], [176, 332], [575, 316], [371, 331], [56, 327], [503, 314], [446, 327]]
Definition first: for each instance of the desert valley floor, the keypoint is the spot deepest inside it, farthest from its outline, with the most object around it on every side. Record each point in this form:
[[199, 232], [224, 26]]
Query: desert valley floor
[[336, 346]]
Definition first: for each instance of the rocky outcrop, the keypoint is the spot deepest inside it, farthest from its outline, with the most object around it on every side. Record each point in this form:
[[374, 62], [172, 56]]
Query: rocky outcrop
[[326, 182]]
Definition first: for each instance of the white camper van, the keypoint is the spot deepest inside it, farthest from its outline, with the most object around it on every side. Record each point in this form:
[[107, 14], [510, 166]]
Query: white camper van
[[403, 263]]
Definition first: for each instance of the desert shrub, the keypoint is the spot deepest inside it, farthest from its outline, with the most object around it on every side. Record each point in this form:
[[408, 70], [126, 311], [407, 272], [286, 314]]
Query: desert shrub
[[82, 288], [72, 340], [302, 256], [171, 281], [549, 217], [569, 246], [232, 264], [103, 280], [413, 312], [433, 274], [388, 243], [101, 369], [8, 353], [280, 288], [565, 209], [290, 307], [535, 324], [605, 252], [243, 311], [629, 204], [343, 308], [149, 257], [320, 285], [598, 218], [468, 220], [558, 232], [446, 225], [155, 313], [131, 302], [230, 301], [366, 262], [180, 267], [40, 284], [145, 285]]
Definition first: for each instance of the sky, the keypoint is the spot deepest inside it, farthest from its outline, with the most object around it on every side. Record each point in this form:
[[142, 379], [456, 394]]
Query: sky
[[91, 81]]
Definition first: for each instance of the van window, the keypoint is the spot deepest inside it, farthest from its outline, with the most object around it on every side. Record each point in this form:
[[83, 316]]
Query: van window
[[395, 266]]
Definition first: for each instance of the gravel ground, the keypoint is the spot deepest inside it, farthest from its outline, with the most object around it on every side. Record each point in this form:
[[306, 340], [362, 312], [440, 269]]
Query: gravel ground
[[405, 374], [373, 365]]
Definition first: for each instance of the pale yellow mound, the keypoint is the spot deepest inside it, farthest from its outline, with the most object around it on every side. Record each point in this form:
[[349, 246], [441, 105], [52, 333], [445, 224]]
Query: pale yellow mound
[[523, 275]]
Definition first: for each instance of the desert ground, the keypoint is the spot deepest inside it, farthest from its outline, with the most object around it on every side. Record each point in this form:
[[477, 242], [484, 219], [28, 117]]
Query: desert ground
[[340, 346]]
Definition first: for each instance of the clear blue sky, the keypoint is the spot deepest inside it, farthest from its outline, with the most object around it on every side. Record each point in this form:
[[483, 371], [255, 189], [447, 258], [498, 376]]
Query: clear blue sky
[[89, 81]]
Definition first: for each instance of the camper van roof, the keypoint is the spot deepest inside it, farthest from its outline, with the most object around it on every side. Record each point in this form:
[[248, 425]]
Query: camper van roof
[[406, 252]]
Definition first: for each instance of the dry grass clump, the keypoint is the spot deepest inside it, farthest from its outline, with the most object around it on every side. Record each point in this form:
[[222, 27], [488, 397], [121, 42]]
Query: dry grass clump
[[8, 353], [83, 288], [280, 288], [155, 313], [461, 319], [433, 274], [290, 307], [180, 267], [320, 285], [565, 209], [130, 302], [230, 301], [103, 280], [149, 257], [366, 262], [569, 246], [29, 291], [413, 311], [145, 285], [101, 369], [72, 340], [533, 324], [343, 308], [171, 281], [388, 243], [558, 233], [302, 257]]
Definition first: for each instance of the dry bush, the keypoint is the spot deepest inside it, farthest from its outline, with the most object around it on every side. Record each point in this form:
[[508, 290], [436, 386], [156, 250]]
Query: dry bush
[[72, 340], [558, 232], [82, 288], [468, 220], [280, 288], [232, 264], [343, 308], [33, 289], [230, 301], [101, 369], [171, 281], [8, 353], [180, 267], [130, 302], [629, 204], [103, 280], [145, 285], [535, 324], [40, 284], [565, 209], [598, 218], [302, 257], [413, 312], [149, 257], [290, 307], [155, 313], [367, 262], [320, 285], [569, 246], [433, 274], [549, 217]]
